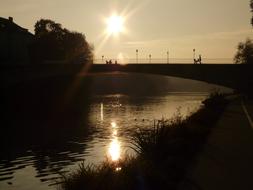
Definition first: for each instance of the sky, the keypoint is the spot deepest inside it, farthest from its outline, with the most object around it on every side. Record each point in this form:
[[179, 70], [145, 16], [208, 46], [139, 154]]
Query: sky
[[212, 27]]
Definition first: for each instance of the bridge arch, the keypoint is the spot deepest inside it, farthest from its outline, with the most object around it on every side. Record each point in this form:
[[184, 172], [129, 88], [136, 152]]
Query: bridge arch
[[234, 76]]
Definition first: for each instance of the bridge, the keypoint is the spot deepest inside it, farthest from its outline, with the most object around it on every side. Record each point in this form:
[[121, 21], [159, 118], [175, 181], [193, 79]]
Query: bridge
[[237, 76]]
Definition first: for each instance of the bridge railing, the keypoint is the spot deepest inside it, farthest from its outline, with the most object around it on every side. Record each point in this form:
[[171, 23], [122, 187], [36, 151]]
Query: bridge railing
[[163, 61]]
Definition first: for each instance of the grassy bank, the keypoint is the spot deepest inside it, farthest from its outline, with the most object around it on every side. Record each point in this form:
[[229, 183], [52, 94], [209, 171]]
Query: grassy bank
[[164, 153]]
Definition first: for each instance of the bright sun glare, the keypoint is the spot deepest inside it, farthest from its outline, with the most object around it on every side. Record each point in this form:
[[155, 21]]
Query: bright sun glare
[[115, 24], [114, 150]]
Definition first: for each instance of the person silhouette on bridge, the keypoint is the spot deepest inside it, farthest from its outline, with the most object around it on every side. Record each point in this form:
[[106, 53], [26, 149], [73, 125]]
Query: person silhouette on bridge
[[199, 60], [195, 61]]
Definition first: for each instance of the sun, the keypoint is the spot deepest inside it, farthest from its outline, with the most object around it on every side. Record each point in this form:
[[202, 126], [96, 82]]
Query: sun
[[115, 24]]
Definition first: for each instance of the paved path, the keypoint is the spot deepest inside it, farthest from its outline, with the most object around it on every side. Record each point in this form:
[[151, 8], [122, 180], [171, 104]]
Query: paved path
[[227, 159], [247, 113]]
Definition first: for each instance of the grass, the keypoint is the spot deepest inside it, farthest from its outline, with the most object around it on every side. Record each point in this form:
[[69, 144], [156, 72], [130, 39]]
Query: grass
[[164, 153]]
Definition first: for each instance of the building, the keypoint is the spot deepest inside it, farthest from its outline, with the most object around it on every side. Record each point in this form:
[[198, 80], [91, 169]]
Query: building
[[14, 42]]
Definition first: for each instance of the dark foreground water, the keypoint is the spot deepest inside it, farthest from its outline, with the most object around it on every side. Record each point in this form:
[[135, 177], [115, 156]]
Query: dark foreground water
[[95, 123]]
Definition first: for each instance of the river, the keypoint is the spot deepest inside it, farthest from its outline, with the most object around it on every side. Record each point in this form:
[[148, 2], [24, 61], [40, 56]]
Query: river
[[117, 105]]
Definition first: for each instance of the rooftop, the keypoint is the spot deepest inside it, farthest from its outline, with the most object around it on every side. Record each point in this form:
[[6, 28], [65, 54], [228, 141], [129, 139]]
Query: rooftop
[[8, 25]]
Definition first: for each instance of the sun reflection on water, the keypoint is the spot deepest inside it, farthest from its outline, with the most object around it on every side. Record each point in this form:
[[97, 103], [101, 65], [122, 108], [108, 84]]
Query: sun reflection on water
[[113, 124], [101, 111], [114, 150], [115, 132]]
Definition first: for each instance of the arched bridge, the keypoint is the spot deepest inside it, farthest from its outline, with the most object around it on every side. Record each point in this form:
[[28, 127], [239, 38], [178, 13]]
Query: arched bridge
[[237, 76]]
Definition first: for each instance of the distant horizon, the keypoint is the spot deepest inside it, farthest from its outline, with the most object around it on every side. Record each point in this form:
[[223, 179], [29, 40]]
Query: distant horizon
[[213, 28]]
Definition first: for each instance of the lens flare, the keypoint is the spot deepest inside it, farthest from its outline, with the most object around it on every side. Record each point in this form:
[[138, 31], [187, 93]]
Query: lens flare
[[115, 24]]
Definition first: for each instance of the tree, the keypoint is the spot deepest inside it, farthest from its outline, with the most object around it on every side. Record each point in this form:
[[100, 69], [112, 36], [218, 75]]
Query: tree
[[45, 26], [52, 42], [244, 52], [76, 47], [245, 49]]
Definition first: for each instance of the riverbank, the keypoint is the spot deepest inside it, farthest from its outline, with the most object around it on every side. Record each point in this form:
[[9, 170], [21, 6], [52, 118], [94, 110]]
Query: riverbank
[[164, 153], [226, 162]]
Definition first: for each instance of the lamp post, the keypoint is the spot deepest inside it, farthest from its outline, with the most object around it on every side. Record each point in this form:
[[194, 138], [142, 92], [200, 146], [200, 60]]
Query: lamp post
[[137, 55], [149, 58], [103, 59], [168, 61], [194, 55]]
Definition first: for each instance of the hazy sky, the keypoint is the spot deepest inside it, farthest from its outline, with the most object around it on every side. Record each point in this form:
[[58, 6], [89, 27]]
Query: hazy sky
[[213, 27]]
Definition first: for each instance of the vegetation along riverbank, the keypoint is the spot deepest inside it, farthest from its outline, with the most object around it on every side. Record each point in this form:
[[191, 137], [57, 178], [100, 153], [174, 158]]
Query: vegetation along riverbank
[[164, 152]]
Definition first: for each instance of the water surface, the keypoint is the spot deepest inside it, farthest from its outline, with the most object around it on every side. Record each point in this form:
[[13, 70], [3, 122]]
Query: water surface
[[96, 125]]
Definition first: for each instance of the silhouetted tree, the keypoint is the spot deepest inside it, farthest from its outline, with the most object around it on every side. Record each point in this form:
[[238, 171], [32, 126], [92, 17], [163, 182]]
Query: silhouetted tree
[[76, 47], [52, 42], [45, 26], [244, 52]]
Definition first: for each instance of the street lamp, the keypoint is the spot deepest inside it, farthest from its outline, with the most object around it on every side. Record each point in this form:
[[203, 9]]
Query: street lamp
[[168, 57], [149, 58], [103, 59], [194, 55], [137, 55]]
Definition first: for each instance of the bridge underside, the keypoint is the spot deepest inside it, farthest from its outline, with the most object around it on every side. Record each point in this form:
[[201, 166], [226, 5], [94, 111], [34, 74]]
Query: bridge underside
[[235, 76]]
